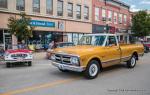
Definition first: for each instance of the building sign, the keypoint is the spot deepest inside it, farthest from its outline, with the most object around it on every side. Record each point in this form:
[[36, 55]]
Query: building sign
[[42, 23]]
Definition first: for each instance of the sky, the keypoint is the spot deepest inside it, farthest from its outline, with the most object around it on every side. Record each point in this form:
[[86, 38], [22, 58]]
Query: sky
[[136, 5]]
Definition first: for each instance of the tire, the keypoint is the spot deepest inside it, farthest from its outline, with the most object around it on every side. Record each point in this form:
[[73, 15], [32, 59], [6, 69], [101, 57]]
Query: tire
[[8, 65], [132, 62], [92, 69], [30, 63]]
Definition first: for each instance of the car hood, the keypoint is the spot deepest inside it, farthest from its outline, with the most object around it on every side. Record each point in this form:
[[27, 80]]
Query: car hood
[[78, 50], [19, 51]]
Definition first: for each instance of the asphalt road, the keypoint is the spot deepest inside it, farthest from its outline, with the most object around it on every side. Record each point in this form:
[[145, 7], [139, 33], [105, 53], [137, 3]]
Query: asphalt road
[[44, 79]]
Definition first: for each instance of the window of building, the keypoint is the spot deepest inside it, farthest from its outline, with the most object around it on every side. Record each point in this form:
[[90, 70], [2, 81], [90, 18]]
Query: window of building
[[59, 8], [110, 16], [3, 3], [20, 5], [115, 18], [78, 10], [49, 7], [104, 15], [86, 12], [96, 14], [70, 9], [125, 19], [36, 6], [120, 18]]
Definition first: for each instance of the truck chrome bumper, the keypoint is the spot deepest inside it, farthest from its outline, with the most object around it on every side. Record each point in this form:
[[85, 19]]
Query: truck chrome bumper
[[68, 67]]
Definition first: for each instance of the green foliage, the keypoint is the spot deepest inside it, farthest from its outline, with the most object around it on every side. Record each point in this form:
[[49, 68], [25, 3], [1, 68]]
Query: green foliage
[[141, 24], [21, 28]]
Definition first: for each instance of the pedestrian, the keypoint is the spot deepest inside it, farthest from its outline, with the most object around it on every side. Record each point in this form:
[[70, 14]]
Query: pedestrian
[[51, 45]]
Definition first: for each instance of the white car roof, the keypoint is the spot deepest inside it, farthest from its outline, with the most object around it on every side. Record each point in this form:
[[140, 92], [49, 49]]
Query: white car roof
[[100, 34]]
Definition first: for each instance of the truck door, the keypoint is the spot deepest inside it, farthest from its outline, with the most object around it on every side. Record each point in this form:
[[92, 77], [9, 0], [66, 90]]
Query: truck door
[[113, 52]]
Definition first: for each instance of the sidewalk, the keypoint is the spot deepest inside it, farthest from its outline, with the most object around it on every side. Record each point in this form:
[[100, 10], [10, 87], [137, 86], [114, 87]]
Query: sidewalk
[[39, 55]]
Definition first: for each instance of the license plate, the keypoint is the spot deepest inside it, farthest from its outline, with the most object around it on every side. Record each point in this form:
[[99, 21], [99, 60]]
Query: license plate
[[19, 59]]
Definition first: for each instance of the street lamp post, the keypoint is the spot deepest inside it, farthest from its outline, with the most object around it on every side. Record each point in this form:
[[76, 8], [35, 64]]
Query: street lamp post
[[107, 27]]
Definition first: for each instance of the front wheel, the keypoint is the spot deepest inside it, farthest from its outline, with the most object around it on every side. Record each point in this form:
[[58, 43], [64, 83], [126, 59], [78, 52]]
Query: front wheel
[[8, 65], [132, 62], [30, 63], [92, 69]]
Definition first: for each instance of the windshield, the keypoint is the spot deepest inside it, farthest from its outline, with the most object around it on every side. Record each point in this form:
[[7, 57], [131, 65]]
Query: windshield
[[19, 46], [92, 40]]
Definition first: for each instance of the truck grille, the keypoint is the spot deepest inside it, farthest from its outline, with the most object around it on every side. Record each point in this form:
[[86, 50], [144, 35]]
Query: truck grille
[[19, 55], [64, 59]]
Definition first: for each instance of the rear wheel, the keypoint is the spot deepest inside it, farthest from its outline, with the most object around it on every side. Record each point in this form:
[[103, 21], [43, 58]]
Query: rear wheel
[[132, 62], [92, 69]]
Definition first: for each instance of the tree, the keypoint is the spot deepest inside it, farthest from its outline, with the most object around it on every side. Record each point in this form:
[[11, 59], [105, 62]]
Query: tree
[[141, 24], [21, 28]]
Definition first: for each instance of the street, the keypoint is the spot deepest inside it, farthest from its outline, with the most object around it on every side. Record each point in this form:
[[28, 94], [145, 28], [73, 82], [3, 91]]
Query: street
[[44, 79]]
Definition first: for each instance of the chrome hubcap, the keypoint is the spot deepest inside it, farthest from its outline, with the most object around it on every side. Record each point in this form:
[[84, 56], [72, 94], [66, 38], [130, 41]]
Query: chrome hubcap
[[133, 61], [93, 70]]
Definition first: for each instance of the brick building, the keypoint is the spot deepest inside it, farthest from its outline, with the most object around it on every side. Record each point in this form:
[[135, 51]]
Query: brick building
[[111, 16]]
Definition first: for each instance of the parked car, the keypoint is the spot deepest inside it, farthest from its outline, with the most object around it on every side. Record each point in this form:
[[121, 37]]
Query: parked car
[[19, 54], [94, 52], [146, 46], [58, 45]]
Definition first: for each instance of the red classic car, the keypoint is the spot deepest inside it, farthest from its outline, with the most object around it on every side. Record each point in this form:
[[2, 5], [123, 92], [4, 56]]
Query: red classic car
[[18, 54]]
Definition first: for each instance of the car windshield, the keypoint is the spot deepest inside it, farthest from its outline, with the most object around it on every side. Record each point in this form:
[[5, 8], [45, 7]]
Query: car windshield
[[19, 46], [92, 40]]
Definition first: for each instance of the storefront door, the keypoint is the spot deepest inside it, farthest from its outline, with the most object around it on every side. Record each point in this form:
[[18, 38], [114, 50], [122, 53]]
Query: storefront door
[[7, 40]]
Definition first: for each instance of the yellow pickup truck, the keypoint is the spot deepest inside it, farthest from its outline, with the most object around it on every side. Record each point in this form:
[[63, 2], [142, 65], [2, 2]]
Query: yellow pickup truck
[[94, 52]]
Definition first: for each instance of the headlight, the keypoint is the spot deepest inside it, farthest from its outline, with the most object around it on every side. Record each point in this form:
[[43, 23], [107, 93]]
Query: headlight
[[53, 57], [6, 54], [74, 60]]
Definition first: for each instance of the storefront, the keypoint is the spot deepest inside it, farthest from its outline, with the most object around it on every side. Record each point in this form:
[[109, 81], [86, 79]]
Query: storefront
[[5, 39], [122, 35], [41, 39]]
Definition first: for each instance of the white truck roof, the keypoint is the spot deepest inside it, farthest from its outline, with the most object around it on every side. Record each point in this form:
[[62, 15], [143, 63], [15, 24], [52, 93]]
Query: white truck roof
[[101, 34]]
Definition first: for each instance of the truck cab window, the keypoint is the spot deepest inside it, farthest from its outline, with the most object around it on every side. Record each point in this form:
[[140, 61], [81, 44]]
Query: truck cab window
[[111, 41]]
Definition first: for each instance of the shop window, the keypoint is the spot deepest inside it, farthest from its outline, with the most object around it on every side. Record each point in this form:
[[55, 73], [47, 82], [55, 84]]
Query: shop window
[[3, 3], [49, 7], [75, 38], [86, 12], [36, 6], [78, 11], [69, 35], [70, 9], [20, 5], [59, 8], [80, 35]]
